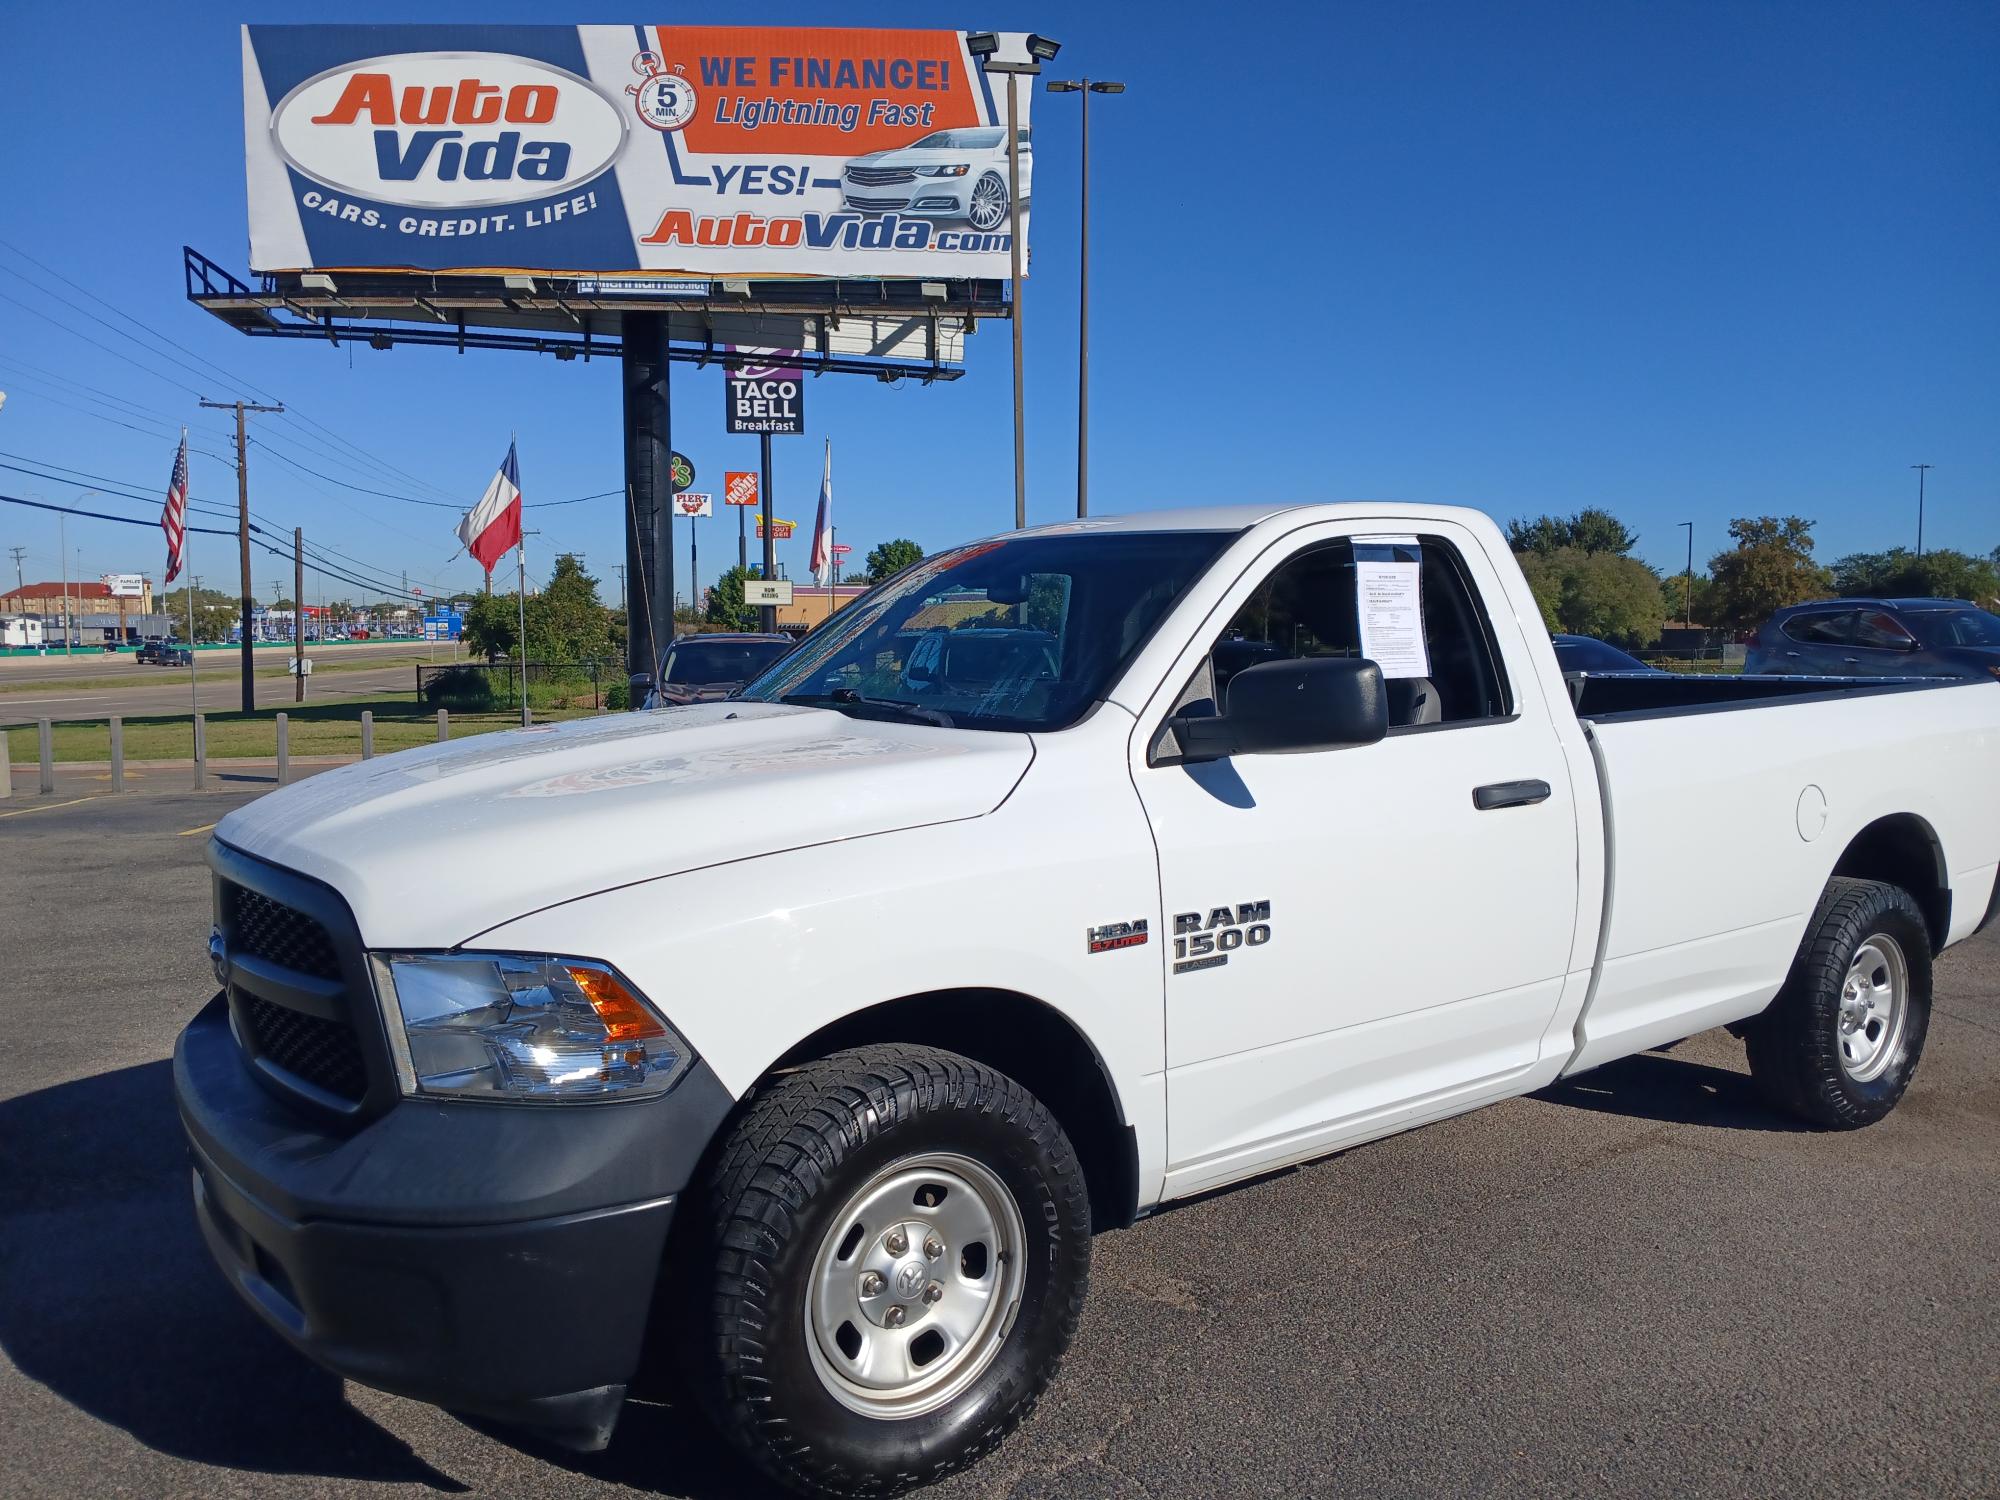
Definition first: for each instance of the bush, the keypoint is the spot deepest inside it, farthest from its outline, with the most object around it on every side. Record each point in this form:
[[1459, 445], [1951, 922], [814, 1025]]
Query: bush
[[467, 688]]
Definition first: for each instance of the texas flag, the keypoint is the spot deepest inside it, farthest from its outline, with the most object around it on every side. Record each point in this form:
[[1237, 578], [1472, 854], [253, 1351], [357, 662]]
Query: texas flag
[[494, 524], [822, 553]]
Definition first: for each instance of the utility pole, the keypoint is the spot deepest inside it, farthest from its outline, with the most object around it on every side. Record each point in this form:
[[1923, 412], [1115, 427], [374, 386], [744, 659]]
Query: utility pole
[[241, 408], [20, 583], [1921, 469], [299, 613], [62, 546], [1687, 591]]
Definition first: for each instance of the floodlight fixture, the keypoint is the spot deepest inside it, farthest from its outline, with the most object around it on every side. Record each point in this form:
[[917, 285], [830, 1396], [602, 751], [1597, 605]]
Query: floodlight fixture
[[1107, 88], [318, 281], [519, 284], [1041, 49], [1062, 86], [982, 43]]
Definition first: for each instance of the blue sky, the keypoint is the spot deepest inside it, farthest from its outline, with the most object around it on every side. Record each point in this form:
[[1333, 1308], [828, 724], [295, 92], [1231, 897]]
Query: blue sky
[[1686, 262]]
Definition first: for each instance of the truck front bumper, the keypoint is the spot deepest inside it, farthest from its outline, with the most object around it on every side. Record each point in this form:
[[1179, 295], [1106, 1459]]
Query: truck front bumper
[[498, 1260]]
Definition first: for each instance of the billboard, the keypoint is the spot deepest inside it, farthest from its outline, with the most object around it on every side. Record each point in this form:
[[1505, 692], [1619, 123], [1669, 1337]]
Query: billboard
[[694, 150], [125, 585], [739, 488], [695, 503]]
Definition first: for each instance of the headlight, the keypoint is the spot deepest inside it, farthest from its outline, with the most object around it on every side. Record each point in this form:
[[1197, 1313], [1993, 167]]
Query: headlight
[[957, 169], [526, 1026]]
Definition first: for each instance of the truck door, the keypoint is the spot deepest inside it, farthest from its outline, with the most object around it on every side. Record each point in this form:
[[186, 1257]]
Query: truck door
[[1355, 934]]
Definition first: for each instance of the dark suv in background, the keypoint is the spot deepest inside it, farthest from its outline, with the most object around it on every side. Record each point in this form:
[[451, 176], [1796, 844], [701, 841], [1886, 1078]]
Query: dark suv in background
[[1879, 638]]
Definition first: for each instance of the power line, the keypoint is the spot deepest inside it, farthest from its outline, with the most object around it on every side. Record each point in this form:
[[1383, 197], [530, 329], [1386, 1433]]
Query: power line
[[114, 353]]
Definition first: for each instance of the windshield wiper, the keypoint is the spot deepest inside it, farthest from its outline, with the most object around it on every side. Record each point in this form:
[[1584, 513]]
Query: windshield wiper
[[846, 700]]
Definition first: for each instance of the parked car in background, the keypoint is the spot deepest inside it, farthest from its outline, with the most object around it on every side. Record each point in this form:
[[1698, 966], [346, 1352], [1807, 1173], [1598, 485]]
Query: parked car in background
[[1586, 653], [702, 668], [1879, 638]]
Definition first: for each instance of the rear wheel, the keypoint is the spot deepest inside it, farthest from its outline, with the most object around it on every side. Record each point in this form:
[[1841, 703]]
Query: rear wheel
[[1841, 1042], [898, 1244]]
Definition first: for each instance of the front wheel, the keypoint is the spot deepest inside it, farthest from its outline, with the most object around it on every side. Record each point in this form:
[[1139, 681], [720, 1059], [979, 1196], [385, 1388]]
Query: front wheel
[[1840, 1044], [898, 1243], [988, 209]]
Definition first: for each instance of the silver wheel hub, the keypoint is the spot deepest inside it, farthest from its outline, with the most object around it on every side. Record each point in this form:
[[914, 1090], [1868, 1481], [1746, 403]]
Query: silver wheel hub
[[1874, 1007], [915, 1286]]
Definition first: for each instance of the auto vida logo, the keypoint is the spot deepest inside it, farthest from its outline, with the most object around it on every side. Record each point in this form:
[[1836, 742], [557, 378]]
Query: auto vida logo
[[448, 130], [665, 100]]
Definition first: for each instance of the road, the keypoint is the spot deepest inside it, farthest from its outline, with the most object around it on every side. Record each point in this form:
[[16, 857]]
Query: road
[[1641, 1283], [51, 687]]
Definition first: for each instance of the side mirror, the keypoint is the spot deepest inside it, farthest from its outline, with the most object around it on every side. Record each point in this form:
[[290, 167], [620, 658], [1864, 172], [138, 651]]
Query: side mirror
[[1284, 707]]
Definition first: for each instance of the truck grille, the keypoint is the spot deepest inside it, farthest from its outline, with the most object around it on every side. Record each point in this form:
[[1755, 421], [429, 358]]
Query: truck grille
[[314, 1051], [277, 934], [880, 176], [323, 1053]]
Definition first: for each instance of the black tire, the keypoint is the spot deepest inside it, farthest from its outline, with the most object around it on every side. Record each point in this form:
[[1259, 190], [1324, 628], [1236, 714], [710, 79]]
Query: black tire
[[1795, 1047], [808, 1141]]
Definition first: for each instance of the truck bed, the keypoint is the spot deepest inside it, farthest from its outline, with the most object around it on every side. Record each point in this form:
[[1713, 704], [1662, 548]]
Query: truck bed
[[1619, 695]]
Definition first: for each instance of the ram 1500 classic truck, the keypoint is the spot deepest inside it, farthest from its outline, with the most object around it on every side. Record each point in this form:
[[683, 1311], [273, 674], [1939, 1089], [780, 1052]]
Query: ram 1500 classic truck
[[808, 1035]]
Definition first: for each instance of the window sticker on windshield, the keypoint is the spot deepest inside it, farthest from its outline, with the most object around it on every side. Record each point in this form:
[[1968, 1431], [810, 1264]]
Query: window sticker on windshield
[[1388, 600]]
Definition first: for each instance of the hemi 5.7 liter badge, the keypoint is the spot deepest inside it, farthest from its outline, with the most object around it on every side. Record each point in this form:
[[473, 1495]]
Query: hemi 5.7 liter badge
[[1205, 940], [1114, 935]]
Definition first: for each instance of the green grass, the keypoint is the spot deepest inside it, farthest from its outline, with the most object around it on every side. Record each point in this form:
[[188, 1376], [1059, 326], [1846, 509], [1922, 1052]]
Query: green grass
[[312, 729]]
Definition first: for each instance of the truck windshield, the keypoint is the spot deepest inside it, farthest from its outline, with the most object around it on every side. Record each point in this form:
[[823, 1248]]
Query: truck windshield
[[1021, 634]]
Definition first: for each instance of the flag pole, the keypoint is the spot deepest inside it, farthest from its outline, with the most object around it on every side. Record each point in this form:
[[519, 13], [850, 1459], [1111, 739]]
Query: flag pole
[[194, 686], [521, 557]]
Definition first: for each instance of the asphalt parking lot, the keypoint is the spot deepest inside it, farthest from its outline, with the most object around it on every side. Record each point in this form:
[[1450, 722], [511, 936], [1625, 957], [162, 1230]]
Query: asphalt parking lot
[[1642, 1283]]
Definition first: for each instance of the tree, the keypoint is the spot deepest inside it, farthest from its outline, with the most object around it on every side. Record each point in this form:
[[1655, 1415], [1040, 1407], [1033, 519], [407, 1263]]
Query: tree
[[1614, 598], [1899, 573], [726, 609], [490, 629], [1771, 566], [889, 558], [1590, 530], [1685, 603], [566, 620]]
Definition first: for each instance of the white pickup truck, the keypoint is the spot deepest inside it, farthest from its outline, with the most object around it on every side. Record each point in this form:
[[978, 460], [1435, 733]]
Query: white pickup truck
[[810, 1034]]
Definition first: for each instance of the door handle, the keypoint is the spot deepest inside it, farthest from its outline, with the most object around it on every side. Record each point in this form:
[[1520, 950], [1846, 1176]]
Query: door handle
[[1851, 661], [1793, 655], [1509, 794]]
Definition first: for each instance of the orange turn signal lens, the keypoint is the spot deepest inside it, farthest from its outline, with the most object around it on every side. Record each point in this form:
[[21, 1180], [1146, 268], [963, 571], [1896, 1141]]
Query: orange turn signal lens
[[625, 1016]]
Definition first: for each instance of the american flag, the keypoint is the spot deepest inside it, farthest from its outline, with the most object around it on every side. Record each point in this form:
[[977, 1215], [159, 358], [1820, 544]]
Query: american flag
[[173, 517]]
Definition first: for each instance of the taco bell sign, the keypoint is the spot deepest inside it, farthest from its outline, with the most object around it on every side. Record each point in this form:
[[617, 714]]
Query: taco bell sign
[[768, 396]]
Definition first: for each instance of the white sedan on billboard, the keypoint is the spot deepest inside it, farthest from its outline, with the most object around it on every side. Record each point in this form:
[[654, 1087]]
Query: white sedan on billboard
[[950, 174]]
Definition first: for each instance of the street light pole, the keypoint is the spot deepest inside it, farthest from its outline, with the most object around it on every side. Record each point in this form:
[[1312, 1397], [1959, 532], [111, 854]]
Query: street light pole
[[1921, 469], [984, 45], [1085, 87]]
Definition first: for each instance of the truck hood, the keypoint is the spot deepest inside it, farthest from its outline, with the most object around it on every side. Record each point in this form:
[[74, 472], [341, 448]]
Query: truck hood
[[432, 846]]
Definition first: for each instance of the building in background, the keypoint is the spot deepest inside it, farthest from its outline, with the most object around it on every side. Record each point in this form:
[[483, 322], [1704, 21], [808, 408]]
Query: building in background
[[116, 602]]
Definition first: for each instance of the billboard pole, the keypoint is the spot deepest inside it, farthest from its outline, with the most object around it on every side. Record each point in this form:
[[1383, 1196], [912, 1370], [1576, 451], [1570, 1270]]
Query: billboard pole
[[243, 535], [649, 557]]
